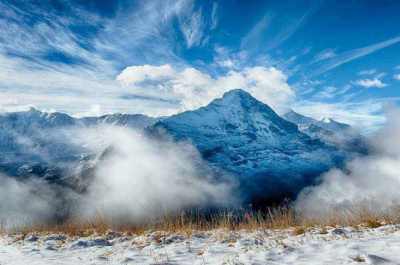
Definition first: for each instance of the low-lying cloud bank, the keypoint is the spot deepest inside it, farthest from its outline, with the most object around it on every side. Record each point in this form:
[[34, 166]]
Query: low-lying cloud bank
[[133, 178], [26, 199], [375, 178], [142, 175]]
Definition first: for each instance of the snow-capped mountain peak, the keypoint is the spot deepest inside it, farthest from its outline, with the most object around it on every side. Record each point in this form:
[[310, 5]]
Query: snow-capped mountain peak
[[244, 136], [326, 120]]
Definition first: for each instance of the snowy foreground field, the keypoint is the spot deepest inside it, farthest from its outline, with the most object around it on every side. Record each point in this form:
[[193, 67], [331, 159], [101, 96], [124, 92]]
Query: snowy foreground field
[[345, 245]]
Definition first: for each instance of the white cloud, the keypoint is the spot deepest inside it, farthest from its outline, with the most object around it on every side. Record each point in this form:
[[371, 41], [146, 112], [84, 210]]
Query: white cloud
[[141, 173], [324, 55], [27, 200], [214, 19], [327, 93], [192, 25], [196, 89], [140, 177], [142, 34], [345, 89], [367, 72], [370, 83], [12, 105], [380, 75], [362, 115], [396, 76], [94, 111], [375, 177], [137, 74], [351, 55], [255, 45], [255, 35], [227, 64]]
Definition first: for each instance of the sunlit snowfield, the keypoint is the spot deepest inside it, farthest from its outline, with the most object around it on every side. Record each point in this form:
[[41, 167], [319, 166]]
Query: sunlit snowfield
[[343, 245]]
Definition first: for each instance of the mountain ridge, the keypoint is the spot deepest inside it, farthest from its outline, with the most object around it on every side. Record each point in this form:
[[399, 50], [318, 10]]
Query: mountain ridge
[[330, 131]]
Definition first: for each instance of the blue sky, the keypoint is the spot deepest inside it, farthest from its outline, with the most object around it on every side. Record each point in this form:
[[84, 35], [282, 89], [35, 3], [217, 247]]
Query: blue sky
[[339, 59]]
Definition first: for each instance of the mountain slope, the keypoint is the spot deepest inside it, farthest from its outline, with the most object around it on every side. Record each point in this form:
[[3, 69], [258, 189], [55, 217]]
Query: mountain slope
[[240, 134], [328, 130]]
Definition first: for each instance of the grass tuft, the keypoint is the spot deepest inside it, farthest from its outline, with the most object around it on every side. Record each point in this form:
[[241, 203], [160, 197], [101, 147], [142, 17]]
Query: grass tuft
[[298, 231], [358, 258]]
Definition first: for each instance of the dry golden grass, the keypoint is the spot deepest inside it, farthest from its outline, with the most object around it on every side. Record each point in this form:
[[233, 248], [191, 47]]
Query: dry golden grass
[[298, 231], [361, 214]]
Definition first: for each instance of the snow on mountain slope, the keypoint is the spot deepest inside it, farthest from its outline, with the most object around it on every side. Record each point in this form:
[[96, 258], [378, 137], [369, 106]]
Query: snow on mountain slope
[[242, 135], [328, 130], [135, 121], [325, 123]]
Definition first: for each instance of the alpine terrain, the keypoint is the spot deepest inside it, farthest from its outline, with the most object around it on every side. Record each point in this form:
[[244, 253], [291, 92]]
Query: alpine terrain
[[271, 157]]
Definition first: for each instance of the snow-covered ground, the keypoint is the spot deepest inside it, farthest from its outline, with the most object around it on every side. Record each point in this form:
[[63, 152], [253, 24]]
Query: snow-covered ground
[[317, 246]]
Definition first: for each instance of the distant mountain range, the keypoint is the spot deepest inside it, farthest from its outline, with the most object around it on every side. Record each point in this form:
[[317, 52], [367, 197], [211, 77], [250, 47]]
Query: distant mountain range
[[273, 157], [45, 144], [330, 131]]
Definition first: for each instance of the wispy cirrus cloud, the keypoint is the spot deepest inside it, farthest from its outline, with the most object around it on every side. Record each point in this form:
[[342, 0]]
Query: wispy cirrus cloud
[[324, 55], [363, 115], [256, 46], [255, 35], [214, 18], [326, 93], [192, 25], [144, 34], [44, 62], [351, 55], [397, 77], [370, 83], [367, 72]]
